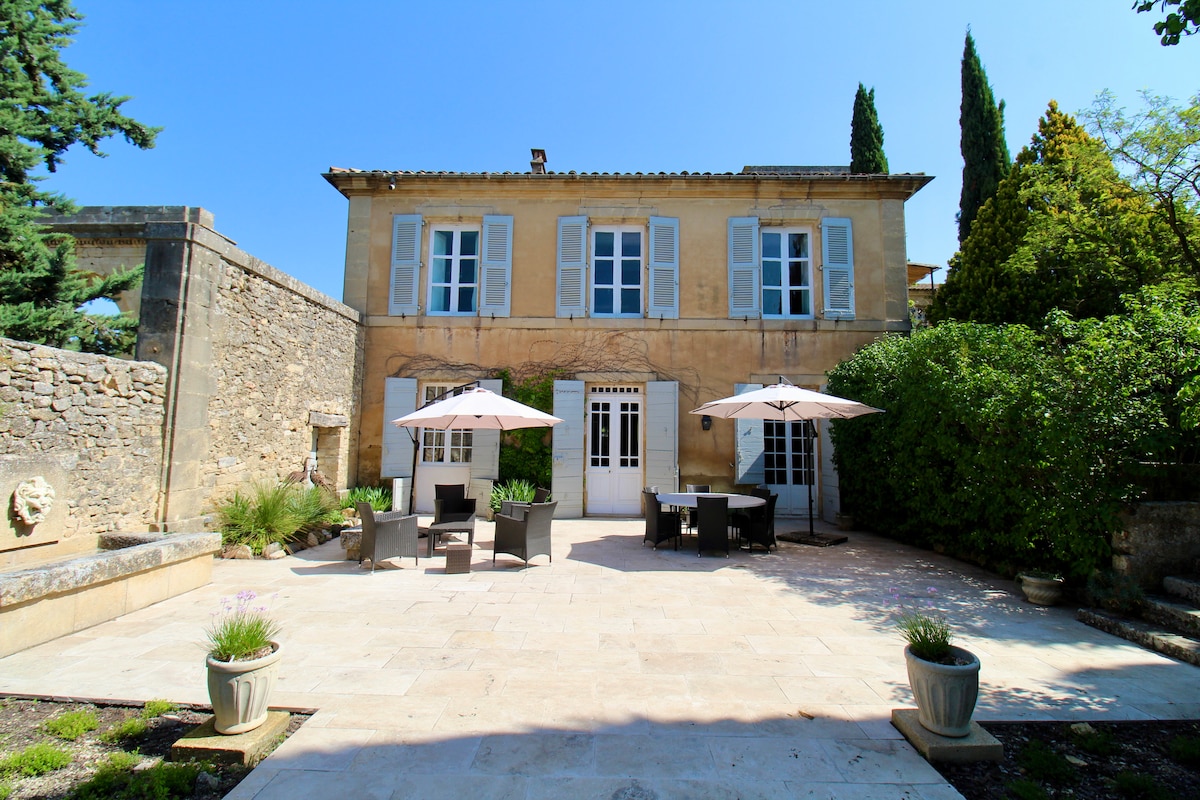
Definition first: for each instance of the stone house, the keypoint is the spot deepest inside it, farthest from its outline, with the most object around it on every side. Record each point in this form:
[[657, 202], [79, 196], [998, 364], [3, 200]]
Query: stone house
[[645, 295]]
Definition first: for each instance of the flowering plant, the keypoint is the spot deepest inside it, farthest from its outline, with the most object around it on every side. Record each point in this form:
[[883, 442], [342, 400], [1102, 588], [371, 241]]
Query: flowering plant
[[927, 632], [241, 631]]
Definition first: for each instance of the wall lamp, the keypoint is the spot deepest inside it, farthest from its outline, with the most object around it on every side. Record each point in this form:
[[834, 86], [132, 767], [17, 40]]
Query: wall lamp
[[392, 182], [706, 422]]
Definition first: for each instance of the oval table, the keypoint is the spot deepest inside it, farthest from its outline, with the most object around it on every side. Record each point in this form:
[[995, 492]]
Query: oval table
[[688, 499]]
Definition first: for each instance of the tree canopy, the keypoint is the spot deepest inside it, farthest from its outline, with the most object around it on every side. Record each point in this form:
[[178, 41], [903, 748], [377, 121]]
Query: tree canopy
[[984, 150], [43, 113], [866, 136], [1183, 22]]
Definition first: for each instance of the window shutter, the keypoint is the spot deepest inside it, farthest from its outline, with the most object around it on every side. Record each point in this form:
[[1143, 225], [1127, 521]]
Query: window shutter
[[406, 264], [744, 270], [662, 435], [568, 457], [748, 445], [664, 268], [572, 267], [837, 271], [399, 398], [485, 444], [495, 268]]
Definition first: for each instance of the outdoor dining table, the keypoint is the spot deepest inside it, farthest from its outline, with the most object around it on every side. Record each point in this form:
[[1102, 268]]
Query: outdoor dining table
[[688, 499]]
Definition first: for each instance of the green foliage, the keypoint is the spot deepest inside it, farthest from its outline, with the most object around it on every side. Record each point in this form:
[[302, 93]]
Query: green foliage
[[927, 635], [526, 454], [132, 728], [1025, 789], [984, 149], [1042, 763], [1185, 750], [37, 759], [242, 630], [1183, 22], [156, 708], [117, 780], [1115, 592], [866, 136], [72, 724], [1008, 446], [5, 791], [1136, 786], [378, 497], [1098, 743], [275, 513], [515, 490], [46, 113]]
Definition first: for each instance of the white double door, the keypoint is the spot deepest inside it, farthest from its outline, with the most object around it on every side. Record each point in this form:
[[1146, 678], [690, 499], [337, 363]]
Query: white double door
[[614, 466], [789, 466]]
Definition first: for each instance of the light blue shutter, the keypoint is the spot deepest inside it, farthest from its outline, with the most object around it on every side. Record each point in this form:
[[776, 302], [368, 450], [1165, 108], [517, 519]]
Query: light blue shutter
[[399, 398], [485, 444], [406, 264], [664, 269], [495, 269], [662, 435], [572, 268], [748, 445], [744, 271], [567, 482], [837, 271]]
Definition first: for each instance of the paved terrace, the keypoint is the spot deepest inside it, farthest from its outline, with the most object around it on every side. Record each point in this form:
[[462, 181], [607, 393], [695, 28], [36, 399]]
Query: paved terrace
[[615, 672]]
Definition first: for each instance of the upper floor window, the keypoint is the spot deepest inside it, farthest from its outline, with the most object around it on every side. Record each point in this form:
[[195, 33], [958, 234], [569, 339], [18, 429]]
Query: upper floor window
[[786, 273], [617, 272], [454, 270]]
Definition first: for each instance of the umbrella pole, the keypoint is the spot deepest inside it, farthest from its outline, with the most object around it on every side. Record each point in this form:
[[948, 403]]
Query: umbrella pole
[[812, 476]]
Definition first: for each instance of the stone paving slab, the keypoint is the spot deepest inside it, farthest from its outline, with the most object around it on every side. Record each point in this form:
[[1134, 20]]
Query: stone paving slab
[[615, 670]]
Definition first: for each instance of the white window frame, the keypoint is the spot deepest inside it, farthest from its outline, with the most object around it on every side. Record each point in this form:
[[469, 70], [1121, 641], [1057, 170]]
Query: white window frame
[[785, 287], [455, 445], [456, 284], [616, 286]]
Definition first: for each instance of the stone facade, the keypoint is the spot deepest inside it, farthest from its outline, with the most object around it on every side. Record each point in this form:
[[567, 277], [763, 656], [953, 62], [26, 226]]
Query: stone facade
[[92, 426], [1157, 540]]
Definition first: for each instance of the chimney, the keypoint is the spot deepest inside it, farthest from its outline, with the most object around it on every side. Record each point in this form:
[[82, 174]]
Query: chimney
[[538, 162]]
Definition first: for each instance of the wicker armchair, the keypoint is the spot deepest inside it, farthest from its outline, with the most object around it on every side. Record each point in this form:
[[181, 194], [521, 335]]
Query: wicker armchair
[[712, 524], [526, 537], [661, 525], [758, 526], [386, 535], [516, 508]]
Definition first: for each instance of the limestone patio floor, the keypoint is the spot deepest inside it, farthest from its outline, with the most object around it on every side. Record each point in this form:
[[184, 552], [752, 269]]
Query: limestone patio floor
[[616, 671]]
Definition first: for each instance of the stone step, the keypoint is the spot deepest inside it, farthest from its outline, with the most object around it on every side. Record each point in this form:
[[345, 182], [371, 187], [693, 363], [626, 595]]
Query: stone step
[[1148, 635], [1181, 617], [1186, 588]]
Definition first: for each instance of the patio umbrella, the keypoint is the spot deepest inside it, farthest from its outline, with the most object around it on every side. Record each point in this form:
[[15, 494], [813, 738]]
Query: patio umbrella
[[784, 402], [474, 409]]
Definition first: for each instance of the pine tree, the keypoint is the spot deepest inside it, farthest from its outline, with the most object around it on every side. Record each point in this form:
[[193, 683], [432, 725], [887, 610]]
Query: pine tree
[[984, 151], [44, 113], [866, 136]]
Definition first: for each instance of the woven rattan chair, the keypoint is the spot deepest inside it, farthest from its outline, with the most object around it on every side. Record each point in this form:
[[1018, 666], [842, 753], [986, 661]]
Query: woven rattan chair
[[453, 512], [712, 524], [386, 535], [661, 526], [526, 537], [690, 513], [758, 526]]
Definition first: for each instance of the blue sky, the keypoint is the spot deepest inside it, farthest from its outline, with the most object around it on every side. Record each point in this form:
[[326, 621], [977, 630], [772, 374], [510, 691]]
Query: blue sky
[[258, 99]]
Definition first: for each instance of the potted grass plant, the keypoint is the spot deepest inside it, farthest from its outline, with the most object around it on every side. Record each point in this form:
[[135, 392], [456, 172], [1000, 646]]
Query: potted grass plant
[[1041, 587], [242, 663], [944, 678]]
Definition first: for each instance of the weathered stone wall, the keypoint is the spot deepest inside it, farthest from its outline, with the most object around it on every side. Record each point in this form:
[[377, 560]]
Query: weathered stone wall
[[95, 424], [1158, 540]]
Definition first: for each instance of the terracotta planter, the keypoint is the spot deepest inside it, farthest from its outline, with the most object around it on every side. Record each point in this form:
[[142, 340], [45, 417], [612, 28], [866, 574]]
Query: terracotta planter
[[945, 693], [1043, 591], [239, 691]]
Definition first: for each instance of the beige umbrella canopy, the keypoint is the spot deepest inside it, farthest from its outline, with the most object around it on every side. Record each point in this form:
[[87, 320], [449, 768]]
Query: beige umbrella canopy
[[786, 403]]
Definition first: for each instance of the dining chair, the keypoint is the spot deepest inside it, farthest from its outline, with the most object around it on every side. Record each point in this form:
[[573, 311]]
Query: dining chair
[[758, 526], [712, 524], [690, 513], [661, 525]]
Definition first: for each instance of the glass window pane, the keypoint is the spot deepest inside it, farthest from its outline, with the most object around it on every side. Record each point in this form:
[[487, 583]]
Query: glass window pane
[[631, 243], [798, 245], [443, 243], [604, 244], [441, 270], [466, 299], [770, 245], [799, 301], [631, 273], [466, 270], [631, 301], [604, 301], [772, 273], [604, 273], [439, 298], [468, 244], [772, 301], [798, 273]]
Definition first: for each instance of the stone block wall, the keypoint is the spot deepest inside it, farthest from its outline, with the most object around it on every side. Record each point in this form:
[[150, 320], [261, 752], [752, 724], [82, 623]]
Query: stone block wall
[[93, 426], [1157, 540]]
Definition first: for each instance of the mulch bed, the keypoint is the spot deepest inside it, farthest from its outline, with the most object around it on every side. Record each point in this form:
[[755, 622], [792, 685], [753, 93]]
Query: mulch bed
[[21, 722], [1122, 760]]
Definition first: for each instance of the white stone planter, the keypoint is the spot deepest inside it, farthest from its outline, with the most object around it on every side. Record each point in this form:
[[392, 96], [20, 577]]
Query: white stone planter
[[239, 691], [945, 693], [1042, 591]]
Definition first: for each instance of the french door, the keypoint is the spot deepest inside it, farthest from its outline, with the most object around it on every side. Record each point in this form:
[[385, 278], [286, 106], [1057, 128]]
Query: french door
[[789, 466], [614, 467]]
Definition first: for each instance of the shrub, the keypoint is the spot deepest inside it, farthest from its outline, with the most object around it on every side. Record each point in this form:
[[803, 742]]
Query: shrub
[[1098, 743], [72, 724], [1041, 763], [116, 780], [37, 759], [518, 491], [1136, 786], [1115, 591], [1186, 750], [1025, 789], [131, 728], [156, 708], [274, 513], [379, 498]]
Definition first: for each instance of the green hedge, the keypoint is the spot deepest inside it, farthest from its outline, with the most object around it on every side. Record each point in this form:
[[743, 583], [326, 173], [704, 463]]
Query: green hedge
[[1011, 447]]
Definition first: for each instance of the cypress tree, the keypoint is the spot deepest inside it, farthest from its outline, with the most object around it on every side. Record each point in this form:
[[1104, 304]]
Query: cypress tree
[[866, 136], [984, 152]]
